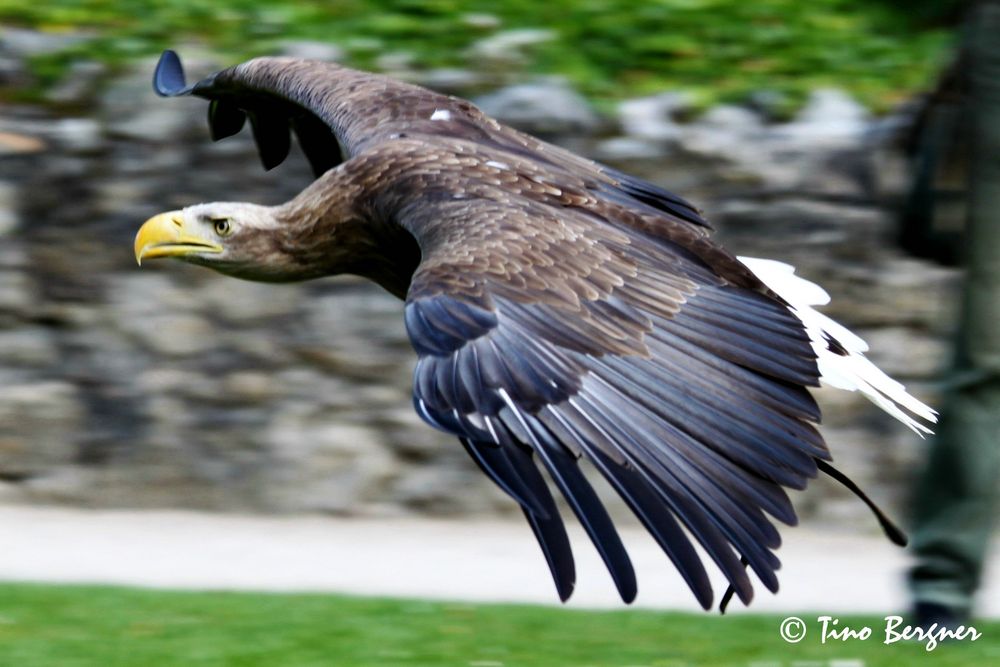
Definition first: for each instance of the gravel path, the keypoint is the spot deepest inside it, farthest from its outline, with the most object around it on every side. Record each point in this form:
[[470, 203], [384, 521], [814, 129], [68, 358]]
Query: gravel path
[[411, 557]]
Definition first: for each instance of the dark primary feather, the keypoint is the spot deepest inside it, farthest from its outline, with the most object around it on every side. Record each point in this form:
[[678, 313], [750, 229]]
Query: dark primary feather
[[585, 504], [272, 134], [655, 196], [562, 311], [224, 119], [511, 468]]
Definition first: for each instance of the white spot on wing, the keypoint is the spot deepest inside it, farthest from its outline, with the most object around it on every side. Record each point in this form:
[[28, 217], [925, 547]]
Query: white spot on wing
[[441, 114], [497, 165]]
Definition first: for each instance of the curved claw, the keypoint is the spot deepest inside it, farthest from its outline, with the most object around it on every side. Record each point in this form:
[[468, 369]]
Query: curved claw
[[168, 79]]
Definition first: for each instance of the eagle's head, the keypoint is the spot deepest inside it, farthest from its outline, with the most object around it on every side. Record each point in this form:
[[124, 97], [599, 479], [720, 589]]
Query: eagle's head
[[235, 238]]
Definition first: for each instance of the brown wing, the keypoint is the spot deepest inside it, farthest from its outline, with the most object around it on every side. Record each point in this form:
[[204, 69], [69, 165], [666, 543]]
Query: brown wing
[[552, 321], [337, 112]]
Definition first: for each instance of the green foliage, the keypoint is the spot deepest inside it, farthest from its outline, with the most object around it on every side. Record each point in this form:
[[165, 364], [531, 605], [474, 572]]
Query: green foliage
[[68, 626], [720, 49]]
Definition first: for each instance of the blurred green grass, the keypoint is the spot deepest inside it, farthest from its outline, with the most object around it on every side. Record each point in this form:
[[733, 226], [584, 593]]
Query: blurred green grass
[[88, 626], [721, 50]]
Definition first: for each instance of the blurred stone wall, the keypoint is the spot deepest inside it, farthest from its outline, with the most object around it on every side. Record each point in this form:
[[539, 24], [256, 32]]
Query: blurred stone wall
[[170, 386]]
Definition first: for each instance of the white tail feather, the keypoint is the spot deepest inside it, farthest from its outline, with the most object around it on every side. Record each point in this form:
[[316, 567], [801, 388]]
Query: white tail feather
[[852, 371]]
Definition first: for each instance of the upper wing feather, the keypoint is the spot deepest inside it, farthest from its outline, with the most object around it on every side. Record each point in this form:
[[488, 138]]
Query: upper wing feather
[[337, 113]]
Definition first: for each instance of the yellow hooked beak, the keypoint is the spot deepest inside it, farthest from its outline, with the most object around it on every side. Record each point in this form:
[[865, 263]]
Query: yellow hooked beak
[[164, 235]]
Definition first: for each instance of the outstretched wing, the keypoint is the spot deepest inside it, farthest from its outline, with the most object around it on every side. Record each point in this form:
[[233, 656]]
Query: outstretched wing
[[337, 113], [333, 110], [551, 327]]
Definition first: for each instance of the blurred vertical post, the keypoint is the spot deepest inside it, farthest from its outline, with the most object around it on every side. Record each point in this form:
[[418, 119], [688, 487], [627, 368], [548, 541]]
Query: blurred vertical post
[[957, 496]]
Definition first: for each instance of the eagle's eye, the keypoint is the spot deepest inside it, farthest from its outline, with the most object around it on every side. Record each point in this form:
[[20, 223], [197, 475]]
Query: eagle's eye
[[222, 226]]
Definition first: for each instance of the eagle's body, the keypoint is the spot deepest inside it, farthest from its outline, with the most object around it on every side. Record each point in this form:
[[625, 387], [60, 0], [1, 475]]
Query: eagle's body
[[560, 310]]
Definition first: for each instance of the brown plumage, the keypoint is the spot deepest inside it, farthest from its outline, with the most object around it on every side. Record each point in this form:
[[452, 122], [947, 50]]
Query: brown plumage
[[560, 310]]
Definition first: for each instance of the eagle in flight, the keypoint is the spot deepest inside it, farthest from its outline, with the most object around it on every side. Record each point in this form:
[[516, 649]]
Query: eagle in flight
[[560, 310]]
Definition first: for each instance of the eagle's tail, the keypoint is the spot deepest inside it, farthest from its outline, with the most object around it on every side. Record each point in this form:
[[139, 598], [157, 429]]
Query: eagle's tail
[[840, 352]]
